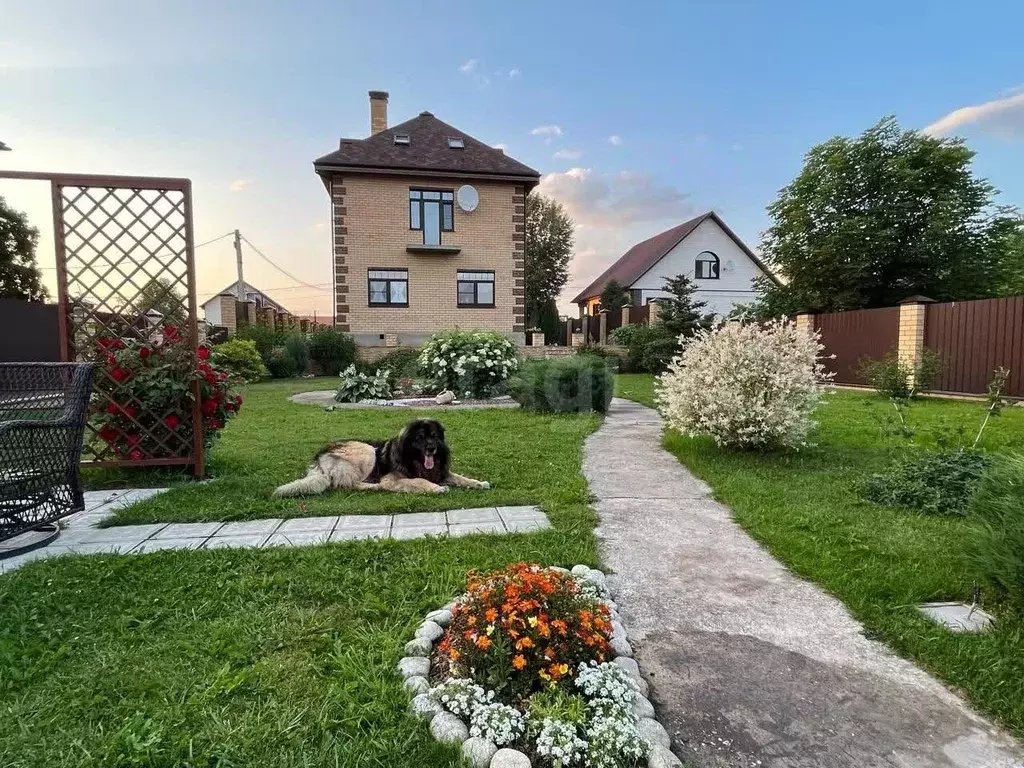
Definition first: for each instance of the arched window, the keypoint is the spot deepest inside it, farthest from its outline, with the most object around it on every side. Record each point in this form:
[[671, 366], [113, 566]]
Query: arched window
[[707, 266]]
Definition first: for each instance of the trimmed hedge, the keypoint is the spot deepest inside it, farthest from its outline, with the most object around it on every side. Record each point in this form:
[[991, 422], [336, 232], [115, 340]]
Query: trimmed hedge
[[566, 385]]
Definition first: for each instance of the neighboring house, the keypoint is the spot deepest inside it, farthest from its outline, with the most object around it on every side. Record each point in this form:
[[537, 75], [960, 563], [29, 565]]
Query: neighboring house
[[704, 249], [219, 309], [429, 231]]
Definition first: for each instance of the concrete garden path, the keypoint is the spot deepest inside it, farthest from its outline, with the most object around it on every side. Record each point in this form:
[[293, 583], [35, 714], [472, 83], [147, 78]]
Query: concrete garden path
[[749, 664], [83, 536]]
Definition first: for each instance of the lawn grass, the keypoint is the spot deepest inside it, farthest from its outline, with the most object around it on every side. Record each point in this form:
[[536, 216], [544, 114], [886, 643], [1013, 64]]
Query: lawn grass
[[806, 509], [280, 657], [528, 459]]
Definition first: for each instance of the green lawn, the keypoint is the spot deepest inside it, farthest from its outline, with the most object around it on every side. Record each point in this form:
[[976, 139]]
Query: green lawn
[[267, 657], [806, 509], [527, 458]]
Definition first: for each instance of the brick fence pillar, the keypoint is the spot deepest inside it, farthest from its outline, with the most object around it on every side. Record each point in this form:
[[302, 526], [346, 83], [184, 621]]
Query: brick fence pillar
[[536, 337], [911, 334], [652, 318], [805, 321], [625, 315], [602, 328]]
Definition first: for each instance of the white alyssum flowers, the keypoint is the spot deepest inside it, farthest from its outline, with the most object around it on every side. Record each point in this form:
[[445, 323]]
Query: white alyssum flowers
[[613, 742], [460, 696], [746, 385], [606, 683], [558, 741], [496, 722]]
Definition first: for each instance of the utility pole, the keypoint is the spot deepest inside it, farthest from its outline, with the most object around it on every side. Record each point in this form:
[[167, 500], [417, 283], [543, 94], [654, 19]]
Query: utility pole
[[240, 285]]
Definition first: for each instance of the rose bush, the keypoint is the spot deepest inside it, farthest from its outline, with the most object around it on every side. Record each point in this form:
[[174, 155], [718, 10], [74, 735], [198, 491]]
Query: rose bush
[[747, 386], [142, 408], [469, 363]]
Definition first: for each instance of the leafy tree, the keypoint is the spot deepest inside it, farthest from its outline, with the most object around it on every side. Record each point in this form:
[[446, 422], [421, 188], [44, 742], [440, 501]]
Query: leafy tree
[[550, 322], [19, 275], [550, 234], [680, 314], [160, 294], [1013, 259], [614, 295], [874, 219]]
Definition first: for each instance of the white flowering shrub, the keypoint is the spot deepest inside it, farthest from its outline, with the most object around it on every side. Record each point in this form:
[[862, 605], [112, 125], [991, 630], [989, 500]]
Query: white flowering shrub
[[469, 363], [496, 722], [746, 385], [613, 742], [460, 696], [559, 742], [607, 682]]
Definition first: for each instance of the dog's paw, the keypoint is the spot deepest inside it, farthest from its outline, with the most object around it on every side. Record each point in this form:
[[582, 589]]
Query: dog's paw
[[484, 485], [440, 489]]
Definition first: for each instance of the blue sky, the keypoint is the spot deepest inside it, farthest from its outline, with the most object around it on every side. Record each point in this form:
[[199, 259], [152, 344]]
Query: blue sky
[[711, 105]]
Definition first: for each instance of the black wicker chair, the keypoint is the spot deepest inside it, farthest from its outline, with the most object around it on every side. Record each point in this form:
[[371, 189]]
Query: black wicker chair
[[42, 421]]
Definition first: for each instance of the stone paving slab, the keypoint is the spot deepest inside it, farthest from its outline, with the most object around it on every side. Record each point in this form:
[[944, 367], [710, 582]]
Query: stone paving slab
[[749, 664], [83, 536]]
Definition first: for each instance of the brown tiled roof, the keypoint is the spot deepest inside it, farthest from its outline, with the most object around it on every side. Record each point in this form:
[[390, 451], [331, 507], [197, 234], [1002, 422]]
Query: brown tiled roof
[[635, 262], [427, 151]]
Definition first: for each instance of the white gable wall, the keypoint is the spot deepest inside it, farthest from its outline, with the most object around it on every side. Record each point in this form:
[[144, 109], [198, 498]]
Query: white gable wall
[[212, 310], [736, 273]]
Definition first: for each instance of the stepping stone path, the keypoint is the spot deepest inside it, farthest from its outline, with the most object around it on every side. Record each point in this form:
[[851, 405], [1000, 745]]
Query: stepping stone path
[[83, 536]]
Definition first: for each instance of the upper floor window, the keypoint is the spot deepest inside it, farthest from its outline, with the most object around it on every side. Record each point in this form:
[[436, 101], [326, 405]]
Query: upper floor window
[[456, 142], [707, 266], [401, 138], [476, 289], [388, 287], [431, 211]]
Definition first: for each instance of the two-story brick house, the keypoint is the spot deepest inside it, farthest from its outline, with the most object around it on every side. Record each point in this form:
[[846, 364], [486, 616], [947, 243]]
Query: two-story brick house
[[429, 231]]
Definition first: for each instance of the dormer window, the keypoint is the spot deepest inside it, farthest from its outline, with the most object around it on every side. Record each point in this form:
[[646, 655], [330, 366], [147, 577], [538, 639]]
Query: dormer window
[[402, 138], [707, 266], [456, 142]]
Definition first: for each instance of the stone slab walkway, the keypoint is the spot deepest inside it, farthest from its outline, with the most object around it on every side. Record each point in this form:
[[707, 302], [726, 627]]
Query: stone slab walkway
[[751, 665], [83, 536]]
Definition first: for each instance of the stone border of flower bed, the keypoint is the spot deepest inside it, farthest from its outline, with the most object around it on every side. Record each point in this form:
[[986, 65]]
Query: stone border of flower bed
[[448, 728], [325, 399]]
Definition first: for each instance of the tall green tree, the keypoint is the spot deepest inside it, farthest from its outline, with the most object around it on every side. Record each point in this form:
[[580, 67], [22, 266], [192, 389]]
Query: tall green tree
[[874, 219], [160, 294], [614, 295], [19, 276], [1013, 259], [681, 314], [550, 234]]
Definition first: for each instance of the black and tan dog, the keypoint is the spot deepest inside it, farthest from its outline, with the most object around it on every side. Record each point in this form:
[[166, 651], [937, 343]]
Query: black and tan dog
[[414, 462]]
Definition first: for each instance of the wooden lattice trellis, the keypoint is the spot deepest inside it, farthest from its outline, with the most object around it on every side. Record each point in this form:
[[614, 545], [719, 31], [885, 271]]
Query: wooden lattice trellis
[[125, 271]]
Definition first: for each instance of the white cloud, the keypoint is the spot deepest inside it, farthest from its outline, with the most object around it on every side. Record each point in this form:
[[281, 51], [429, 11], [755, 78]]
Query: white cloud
[[568, 154], [501, 145], [615, 140], [514, 72], [468, 66], [1003, 117], [547, 130], [239, 184]]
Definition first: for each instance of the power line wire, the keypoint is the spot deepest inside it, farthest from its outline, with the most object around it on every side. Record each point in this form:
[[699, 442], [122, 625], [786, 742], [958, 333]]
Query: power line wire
[[280, 269], [226, 234]]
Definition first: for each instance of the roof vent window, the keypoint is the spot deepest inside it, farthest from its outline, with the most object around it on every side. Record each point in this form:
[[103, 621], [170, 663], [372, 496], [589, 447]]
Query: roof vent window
[[456, 142], [402, 138]]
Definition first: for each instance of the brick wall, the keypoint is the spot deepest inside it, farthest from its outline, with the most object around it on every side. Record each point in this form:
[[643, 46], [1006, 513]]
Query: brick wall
[[371, 230]]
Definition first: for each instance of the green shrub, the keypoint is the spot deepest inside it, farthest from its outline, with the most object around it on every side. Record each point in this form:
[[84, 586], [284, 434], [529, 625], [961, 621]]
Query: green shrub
[[357, 386], [266, 340], [332, 351], [297, 348], [611, 358], [568, 384], [401, 364], [935, 482], [636, 338], [899, 381], [657, 354], [282, 365], [241, 357], [996, 547], [470, 363]]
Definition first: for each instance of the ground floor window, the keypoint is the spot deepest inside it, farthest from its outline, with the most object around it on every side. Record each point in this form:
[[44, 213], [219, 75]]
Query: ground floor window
[[476, 289], [388, 287]]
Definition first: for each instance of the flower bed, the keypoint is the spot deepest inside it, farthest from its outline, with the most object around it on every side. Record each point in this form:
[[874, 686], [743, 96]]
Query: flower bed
[[531, 667]]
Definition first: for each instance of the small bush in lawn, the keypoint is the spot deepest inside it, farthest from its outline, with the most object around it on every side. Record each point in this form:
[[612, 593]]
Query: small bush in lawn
[[282, 365], [935, 482], [401, 365], [899, 381], [267, 340], [747, 386], [297, 348], [996, 547], [568, 384], [636, 338], [241, 358], [356, 386], [657, 354], [525, 628], [611, 359], [470, 363], [331, 351]]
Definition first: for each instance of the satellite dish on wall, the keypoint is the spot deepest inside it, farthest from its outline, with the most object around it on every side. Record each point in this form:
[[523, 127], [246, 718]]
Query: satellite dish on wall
[[468, 198]]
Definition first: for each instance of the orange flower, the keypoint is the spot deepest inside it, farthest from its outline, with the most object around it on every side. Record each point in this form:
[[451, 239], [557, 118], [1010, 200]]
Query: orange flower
[[524, 642], [483, 642], [491, 614], [519, 661], [560, 625], [454, 654]]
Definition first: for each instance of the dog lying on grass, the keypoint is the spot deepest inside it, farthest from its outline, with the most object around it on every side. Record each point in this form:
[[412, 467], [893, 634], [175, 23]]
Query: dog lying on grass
[[414, 462]]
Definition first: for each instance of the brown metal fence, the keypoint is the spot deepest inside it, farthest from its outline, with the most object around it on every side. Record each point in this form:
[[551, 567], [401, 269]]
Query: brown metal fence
[[973, 338], [855, 335]]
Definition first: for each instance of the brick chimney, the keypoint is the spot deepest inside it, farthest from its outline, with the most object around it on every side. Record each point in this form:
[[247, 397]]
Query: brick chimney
[[378, 111]]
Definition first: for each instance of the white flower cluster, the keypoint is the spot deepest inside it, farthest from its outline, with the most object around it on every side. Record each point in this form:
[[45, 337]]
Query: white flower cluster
[[592, 589], [614, 742], [746, 385], [496, 722], [558, 741], [605, 683], [471, 362], [460, 696]]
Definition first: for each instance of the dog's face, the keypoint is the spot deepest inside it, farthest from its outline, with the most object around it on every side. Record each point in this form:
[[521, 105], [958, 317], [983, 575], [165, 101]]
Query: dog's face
[[426, 438]]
